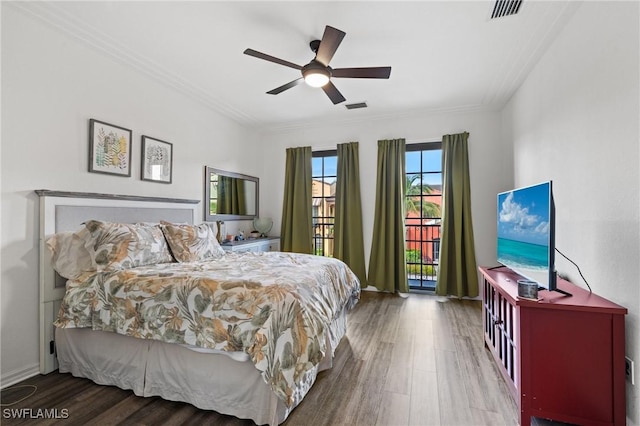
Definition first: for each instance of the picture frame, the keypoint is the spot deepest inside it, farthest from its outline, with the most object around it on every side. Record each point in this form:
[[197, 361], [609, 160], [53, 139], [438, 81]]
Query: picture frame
[[109, 149], [157, 160]]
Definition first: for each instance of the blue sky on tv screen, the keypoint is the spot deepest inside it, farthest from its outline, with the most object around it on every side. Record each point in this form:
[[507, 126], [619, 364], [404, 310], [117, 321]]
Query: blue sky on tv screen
[[523, 215]]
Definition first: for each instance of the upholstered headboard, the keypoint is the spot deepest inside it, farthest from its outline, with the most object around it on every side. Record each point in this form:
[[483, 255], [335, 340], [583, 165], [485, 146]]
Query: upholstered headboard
[[66, 211]]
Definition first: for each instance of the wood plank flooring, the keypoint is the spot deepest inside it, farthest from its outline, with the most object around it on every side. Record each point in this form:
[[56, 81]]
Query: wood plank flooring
[[405, 361]]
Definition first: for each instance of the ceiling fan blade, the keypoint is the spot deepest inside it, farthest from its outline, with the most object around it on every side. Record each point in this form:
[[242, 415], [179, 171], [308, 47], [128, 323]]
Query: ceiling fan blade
[[331, 39], [333, 93], [285, 86], [372, 72], [270, 58]]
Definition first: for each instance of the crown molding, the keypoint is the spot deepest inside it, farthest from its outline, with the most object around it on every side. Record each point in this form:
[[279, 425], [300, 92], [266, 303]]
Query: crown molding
[[61, 21]]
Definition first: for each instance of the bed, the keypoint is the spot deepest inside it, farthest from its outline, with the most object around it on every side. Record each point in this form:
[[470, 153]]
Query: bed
[[242, 334]]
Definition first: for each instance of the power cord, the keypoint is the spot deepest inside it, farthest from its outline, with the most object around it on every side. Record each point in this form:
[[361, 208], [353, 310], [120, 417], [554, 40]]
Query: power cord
[[577, 267], [35, 388]]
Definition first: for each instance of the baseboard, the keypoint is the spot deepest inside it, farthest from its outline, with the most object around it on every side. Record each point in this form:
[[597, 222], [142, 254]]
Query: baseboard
[[17, 376]]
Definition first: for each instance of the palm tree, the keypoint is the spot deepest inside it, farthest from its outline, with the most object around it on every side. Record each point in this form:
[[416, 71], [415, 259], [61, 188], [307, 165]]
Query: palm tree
[[414, 190]]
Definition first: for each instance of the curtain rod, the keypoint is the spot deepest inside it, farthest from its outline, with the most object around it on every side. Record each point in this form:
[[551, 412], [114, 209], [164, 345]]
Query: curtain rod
[[424, 140]]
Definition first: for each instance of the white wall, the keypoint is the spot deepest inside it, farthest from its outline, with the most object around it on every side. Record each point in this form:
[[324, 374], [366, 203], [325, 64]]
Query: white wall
[[576, 120], [51, 85], [490, 172]]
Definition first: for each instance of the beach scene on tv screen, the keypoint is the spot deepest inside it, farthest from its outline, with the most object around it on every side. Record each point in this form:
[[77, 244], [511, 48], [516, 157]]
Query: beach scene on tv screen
[[523, 232]]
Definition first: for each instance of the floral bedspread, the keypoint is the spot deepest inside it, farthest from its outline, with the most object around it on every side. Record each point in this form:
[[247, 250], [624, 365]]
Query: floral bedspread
[[274, 306]]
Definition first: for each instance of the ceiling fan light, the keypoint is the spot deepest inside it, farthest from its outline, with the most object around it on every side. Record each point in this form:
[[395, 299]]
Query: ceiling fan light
[[316, 78]]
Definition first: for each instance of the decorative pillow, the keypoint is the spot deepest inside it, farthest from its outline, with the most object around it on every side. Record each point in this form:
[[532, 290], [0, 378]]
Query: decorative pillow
[[190, 243], [69, 256], [124, 246]]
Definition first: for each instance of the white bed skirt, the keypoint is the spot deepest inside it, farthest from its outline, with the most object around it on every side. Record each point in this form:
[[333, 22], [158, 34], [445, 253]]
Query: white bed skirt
[[209, 381]]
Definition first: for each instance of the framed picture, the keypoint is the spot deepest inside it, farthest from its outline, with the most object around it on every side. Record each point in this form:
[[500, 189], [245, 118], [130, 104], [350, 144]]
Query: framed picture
[[109, 148], [157, 160]]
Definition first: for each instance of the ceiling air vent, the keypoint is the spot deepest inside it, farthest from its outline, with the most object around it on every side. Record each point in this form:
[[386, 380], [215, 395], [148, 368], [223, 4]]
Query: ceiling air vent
[[356, 105], [505, 8]]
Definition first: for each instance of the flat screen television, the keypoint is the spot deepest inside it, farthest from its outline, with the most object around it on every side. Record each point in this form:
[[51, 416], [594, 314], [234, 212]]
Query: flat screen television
[[526, 233]]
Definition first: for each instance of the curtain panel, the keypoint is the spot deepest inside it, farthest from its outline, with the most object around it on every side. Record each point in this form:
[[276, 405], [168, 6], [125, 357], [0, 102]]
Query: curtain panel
[[457, 272], [348, 235], [296, 234], [387, 263]]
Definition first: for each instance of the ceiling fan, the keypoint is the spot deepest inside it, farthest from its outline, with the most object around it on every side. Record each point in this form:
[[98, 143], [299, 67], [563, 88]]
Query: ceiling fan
[[318, 73]]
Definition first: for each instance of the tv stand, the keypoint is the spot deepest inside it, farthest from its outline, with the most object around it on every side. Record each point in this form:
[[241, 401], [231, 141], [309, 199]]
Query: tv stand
[[566, 293], [496, 267], [562, 358]]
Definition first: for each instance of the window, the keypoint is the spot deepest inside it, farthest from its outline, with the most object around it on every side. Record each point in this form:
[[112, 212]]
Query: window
[[423, 201], [323, 181]]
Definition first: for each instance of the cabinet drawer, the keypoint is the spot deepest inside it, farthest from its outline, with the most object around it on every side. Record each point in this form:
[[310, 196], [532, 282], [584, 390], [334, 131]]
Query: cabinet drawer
[[274, 245], [258, 245]]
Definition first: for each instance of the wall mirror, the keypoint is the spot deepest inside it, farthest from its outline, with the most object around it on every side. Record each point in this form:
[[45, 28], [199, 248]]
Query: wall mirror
[[229, 196]]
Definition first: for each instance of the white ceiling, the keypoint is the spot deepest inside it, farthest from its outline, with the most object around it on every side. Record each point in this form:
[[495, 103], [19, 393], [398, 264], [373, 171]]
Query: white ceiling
[[445, 55]]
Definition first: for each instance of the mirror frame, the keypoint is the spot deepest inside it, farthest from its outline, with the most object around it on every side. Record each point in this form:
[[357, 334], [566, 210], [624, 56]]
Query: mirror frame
[[208, 217]]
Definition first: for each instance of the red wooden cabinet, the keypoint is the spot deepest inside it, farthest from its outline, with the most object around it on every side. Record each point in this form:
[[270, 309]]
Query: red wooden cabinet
[[562, 357]]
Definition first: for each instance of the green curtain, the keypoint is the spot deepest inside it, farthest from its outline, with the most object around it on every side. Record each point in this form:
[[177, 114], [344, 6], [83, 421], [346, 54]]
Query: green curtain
[[231, 197], [457, 272], [348, 236], [296, 234], [387, 266]]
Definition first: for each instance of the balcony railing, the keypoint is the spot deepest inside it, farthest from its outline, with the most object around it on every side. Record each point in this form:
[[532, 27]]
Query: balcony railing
[[422, 243]]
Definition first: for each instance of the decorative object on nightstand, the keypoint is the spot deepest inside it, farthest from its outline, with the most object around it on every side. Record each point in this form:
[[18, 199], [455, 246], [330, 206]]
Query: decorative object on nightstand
[[222, 231], [263, 225]]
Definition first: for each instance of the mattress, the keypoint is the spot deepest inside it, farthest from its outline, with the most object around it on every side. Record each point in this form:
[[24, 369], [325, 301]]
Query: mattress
[[204, 378]]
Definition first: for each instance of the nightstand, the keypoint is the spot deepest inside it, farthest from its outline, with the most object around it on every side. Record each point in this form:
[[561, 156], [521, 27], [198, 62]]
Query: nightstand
[[255, 245]]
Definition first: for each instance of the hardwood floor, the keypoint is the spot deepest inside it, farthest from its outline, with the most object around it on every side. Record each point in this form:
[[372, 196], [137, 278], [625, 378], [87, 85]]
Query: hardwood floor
[[414, 361]]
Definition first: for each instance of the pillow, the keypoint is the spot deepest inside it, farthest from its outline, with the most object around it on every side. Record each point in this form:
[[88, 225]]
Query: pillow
[[124, 246], [69, 256], [190, 243]]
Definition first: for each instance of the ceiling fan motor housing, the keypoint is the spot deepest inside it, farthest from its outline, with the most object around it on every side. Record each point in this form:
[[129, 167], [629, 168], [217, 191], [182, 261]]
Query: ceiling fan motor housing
[[315, 74], [315, 67]]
